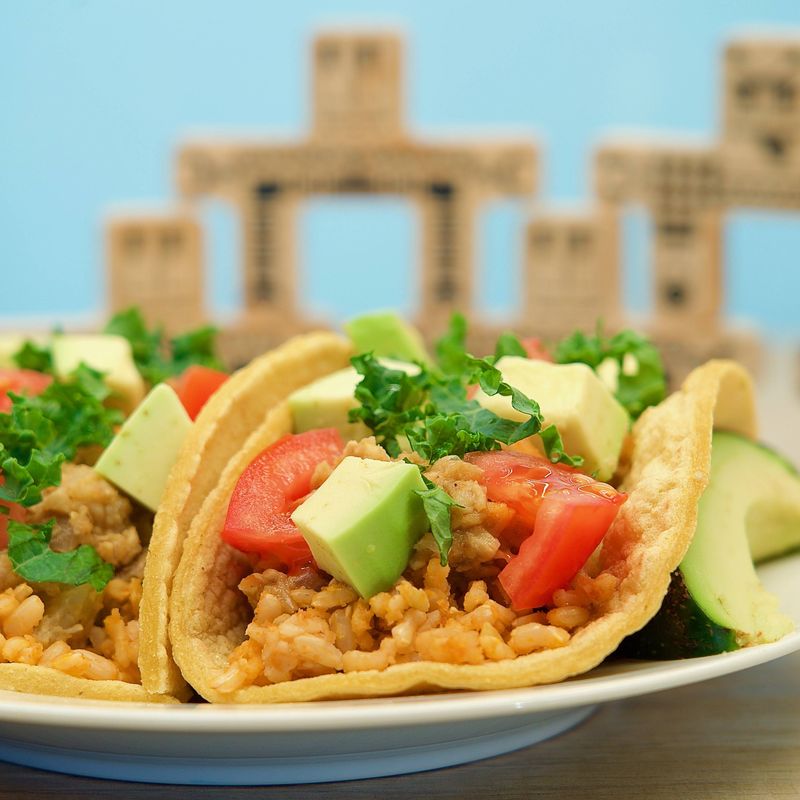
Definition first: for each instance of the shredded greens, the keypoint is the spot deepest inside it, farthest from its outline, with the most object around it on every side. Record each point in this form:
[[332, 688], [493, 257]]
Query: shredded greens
[[637, 388], [432, 414], [36, 437], [34, 560], [34, 356], [437, 504], [41, 432], [158, 358]]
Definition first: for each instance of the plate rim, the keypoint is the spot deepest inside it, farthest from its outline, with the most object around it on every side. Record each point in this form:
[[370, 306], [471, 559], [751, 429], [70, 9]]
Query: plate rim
[[371, 713]]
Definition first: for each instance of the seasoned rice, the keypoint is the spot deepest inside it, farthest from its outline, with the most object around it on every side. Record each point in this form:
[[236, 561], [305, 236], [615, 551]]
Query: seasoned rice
[[75, 629]]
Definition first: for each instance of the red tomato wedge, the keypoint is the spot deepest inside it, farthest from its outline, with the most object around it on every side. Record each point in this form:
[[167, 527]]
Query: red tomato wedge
[[195, 386], [535, 348], [267, 492], [20, 381], [561, 516]]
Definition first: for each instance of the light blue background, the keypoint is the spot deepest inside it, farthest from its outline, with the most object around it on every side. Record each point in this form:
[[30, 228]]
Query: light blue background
[[94, 95]]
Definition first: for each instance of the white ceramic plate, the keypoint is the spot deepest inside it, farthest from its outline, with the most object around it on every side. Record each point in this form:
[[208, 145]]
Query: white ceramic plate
[[341, 740]]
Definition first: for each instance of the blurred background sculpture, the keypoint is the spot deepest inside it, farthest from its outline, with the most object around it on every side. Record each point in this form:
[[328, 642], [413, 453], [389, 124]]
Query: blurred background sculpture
[[359, 144], [156, 262], [687, 188]]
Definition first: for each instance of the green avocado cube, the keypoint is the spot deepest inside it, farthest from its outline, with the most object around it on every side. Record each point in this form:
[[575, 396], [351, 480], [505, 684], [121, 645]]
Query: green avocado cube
[[106, 353], [591, 421], [363, 522], [141, 455], [325, 403], [384, 333]]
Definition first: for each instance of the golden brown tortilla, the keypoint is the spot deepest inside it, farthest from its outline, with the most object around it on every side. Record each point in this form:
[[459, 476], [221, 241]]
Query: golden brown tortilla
[[666, 474], [222, 427], [233, 412], [47, 681]]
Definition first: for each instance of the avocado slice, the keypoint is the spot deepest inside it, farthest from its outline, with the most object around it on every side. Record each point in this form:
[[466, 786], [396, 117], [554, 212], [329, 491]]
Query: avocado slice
[[106, 353], [715, 601], [385, 333], [362, 523], [141, 455]]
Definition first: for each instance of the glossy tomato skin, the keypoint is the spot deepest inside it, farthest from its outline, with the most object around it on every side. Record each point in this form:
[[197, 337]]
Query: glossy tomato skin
[[20, 381], [267, 492], [561, 515], [195, 386]]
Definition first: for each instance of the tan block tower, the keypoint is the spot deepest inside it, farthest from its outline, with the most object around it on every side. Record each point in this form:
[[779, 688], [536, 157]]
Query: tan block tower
[[570, 272], [679, 184], [761, 121], [357, 89], [761, 98], [155, 262], [358, 144]]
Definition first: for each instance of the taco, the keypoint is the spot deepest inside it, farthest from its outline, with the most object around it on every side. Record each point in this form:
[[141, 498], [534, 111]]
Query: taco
[[85, 451], [271, 601], [220, 433]]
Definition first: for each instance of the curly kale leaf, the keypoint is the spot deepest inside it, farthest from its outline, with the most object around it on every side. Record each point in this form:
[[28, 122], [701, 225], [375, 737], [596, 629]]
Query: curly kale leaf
[[33, 559]]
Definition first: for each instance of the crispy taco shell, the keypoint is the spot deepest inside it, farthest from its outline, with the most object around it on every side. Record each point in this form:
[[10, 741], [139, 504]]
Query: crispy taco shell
[[43, 680], [665, 474], [240, 406]]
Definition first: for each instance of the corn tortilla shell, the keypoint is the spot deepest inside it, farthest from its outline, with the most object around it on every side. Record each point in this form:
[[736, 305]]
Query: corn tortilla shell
[[220, 431], [46, 681], [666, 472]]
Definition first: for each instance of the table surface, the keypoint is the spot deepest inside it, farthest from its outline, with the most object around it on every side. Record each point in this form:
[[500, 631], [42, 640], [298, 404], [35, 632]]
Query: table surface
[[733, 737]]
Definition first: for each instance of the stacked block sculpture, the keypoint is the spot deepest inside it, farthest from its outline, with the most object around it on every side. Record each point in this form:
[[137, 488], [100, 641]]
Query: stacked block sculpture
[[359, 144]]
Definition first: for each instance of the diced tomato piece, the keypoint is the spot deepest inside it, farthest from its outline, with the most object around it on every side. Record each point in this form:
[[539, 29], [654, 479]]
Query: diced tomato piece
[[21, 381], [195, 386], [535, 348], [267, 492], [561, 515]]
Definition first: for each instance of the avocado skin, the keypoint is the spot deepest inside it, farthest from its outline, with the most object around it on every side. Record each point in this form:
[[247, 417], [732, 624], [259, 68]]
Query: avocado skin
[[679, 630]]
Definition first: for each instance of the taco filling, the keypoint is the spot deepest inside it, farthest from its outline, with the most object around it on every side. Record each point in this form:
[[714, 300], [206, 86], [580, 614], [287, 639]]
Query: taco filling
[[306, 623], [85, 451], [458, 532], [89, 630]]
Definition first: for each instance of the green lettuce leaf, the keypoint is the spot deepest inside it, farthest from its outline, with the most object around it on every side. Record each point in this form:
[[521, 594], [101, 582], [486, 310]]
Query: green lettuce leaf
[[35, 357], [33, 559], [431, 413], [437, 504], [23, 482], [36, 437]]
